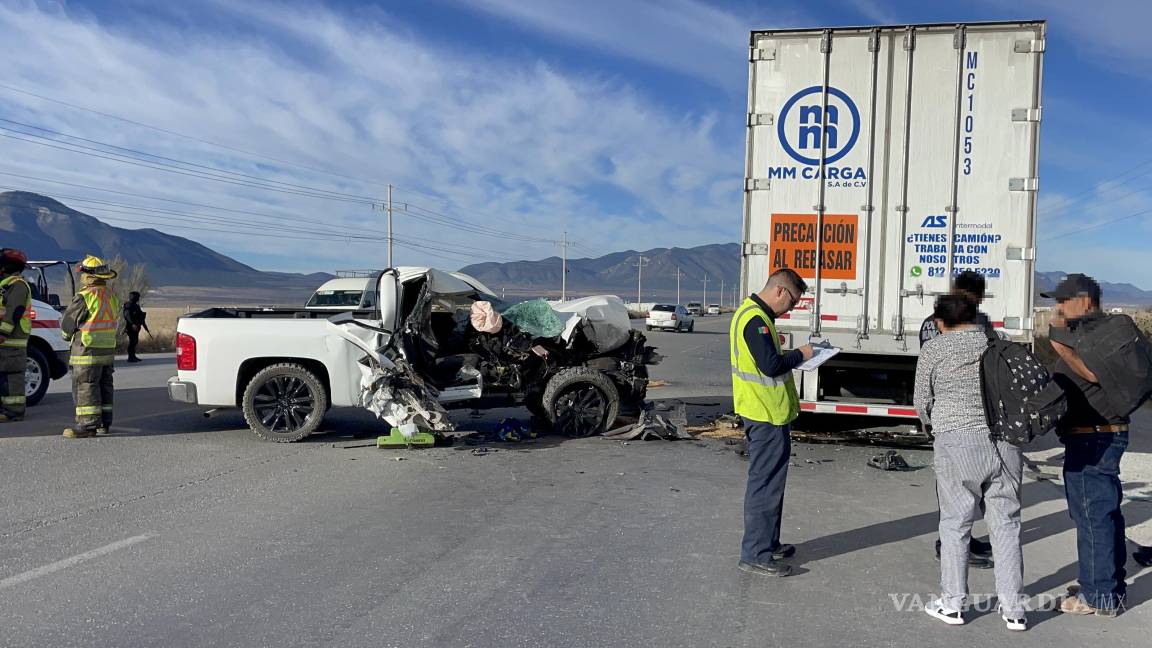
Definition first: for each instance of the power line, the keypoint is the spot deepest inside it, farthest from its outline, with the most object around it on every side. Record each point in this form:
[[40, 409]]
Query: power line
[[244, 180], [1088, 193], [202, 176], [171, 168], [447, 201], [1099, 225], [191, 137], [262, 228], [218, 208], [174, 165]]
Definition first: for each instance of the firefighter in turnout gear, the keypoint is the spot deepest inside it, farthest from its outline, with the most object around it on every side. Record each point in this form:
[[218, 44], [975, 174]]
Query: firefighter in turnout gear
[[90, 324], [15, 329]]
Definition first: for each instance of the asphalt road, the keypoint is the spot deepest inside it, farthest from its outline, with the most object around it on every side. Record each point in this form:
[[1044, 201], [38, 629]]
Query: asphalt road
[[185, 531]]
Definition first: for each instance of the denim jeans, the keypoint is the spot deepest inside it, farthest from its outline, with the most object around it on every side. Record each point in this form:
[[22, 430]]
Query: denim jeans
[[1092, 485], [769, 452]]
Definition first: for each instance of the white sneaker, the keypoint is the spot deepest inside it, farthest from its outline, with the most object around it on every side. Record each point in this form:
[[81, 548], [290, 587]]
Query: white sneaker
[[951, 617], [1019, 624]]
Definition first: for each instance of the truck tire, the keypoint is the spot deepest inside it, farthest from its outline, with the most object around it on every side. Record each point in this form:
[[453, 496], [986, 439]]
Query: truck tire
[[36, 376], [284, 403], [581, 402]]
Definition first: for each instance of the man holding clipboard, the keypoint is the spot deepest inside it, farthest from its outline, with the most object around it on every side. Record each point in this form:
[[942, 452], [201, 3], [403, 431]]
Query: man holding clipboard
[[765, 397]]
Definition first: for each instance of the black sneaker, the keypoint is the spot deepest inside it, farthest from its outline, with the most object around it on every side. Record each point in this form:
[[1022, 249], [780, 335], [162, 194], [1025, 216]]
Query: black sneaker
[[784, 551], [769, 568], [979, 547], [974, 560]]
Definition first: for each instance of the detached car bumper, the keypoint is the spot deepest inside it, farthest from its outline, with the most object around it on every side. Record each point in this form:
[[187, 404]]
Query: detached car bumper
[[181, 391]]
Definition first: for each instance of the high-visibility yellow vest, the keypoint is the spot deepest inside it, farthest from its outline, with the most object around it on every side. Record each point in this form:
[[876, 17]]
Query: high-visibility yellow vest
[[22, 328], [99, 331], [755, 396]]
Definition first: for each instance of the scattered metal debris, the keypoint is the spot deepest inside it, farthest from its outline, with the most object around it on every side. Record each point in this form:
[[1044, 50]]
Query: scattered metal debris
[[890, 460], [655, 426]]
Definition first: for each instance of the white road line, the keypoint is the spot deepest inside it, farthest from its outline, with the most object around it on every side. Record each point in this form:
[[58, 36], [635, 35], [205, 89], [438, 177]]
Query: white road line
[[74, 560]]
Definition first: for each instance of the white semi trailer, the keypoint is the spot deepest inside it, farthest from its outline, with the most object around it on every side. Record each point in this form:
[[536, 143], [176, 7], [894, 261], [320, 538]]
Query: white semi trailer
[[899, 157]]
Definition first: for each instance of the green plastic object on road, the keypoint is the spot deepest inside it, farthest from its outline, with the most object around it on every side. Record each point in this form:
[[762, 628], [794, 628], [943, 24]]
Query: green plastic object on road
[[396, 439]]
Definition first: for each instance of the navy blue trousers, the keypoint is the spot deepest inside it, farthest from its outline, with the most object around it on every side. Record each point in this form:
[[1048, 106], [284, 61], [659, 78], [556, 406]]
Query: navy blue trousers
[[769, 452]]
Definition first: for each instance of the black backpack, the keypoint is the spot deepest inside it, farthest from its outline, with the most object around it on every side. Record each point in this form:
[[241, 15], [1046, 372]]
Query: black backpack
[[1118, 352], [1021, 402]]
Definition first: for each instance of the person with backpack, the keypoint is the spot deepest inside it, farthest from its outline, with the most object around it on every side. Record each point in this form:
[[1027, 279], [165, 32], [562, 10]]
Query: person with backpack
[[970, 466], [1095, 436], [969, 284]]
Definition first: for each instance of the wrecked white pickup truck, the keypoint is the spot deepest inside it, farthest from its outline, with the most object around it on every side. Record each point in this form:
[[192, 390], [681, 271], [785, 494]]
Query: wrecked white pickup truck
[[436, 339]]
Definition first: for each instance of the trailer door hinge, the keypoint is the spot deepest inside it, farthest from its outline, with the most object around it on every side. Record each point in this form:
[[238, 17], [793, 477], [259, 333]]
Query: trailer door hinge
[[757, 184], [1020, 254], [959, 39], [1034, 46], [1023, 184], [1025, 114], [761, 119], [826, 42], [751, 249], [762, 54]]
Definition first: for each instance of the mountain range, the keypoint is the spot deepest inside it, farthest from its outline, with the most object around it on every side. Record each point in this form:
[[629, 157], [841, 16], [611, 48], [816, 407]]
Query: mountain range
[[617, 273], [46, 229], [183, 271]]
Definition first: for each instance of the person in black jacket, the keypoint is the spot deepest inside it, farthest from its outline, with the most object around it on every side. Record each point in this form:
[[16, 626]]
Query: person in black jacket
[[134, 320], [1095, 437]]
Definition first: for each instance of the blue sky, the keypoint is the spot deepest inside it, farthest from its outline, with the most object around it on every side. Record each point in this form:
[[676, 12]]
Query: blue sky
[[502, 122]]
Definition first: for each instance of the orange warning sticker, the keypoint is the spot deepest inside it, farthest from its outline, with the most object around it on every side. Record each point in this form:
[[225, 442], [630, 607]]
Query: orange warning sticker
[[793, 245]]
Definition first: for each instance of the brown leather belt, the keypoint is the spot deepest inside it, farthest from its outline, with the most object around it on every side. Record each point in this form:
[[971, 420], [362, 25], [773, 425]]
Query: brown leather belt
[[1097, 429]]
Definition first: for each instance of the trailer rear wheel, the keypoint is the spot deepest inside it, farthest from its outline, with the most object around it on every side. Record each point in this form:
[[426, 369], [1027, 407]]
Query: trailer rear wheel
[[284, 403]]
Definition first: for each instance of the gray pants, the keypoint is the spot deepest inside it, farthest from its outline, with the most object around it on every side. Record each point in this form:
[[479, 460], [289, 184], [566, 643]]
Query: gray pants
[[968, 468]]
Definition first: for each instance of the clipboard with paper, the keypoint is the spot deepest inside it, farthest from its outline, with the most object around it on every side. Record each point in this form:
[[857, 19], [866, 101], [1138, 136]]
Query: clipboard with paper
[[821, 352]]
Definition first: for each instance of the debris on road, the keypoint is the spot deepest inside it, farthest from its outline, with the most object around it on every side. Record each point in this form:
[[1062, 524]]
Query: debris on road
[[654, 426], [652, 384], [890, 460], [512, 430], [727, 426]]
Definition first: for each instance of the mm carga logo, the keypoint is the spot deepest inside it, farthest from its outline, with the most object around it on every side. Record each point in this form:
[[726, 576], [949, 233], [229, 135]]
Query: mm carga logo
[[804, 123]]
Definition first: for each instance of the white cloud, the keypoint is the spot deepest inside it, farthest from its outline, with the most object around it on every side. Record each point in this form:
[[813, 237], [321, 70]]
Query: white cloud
[[686, 36], [536, 146], [1112, 32]]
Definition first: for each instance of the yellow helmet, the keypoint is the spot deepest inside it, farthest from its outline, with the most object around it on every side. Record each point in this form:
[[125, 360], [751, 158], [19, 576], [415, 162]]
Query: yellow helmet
[[95, 267]]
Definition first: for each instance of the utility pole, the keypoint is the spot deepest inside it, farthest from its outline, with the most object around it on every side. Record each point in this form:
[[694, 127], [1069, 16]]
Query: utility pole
[[677, 285], [721, 293], [390, 226], [639, 277], [704, 304], [564, 245]]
